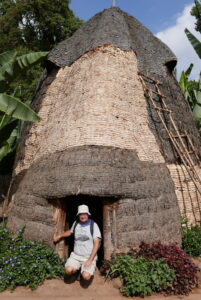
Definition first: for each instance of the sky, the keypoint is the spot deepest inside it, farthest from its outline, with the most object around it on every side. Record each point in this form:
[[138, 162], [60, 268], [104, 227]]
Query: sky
[[167, 19]]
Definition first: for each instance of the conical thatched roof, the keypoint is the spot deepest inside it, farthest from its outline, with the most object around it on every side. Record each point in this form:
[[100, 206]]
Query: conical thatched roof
[[114, 27]]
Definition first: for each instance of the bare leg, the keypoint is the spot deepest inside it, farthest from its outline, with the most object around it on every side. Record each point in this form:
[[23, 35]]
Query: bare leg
[[70, 270], [86, 276]]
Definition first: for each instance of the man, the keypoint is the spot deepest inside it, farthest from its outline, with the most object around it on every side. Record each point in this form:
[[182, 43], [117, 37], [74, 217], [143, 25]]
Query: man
[[86, 244]]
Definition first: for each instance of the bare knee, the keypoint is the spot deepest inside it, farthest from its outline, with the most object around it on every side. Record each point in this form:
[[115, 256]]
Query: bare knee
[[86, 276], [70, 270]]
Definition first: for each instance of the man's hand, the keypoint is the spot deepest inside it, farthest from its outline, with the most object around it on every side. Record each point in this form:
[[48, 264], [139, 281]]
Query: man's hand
[[56, 239], [88, 263]]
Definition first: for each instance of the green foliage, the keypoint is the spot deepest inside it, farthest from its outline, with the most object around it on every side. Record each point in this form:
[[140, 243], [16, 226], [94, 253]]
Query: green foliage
[[11, 105], [196, 12], [191, 239], [35, 25], [26, 263], [194, 42], [192, 93], [141, 277], [12, 66], [184, 85], [15, 108], [197, 107], [31, 25]]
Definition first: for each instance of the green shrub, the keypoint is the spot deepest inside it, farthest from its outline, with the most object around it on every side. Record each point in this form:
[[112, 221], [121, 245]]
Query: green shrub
[[141, 277], [186, 272], [26, 263], [191, 240]]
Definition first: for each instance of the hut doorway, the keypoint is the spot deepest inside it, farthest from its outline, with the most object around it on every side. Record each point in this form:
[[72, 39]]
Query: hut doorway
[[103, 212], [95, 208]]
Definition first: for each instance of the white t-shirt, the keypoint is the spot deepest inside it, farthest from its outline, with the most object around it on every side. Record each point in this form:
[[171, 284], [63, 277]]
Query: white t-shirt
[[83, 241]]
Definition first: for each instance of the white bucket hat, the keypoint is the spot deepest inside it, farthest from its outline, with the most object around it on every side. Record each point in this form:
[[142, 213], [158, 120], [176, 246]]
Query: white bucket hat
[[83, 209]]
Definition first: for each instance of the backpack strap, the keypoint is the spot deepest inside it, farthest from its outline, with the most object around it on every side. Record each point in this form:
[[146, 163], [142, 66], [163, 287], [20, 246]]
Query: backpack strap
[[92, 228], [76, 222]]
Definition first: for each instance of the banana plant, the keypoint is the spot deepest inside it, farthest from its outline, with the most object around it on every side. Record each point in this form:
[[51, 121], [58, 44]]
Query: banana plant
[[14, 111], [192, 93], [193, 40], [186, 87], [197, 107]]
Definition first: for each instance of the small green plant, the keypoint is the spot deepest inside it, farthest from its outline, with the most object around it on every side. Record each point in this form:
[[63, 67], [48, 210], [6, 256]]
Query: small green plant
[[141, 277], [191, 240], [26, 263]]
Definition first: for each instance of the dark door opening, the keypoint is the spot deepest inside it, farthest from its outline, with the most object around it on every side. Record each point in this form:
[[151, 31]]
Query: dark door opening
[[95, 205]]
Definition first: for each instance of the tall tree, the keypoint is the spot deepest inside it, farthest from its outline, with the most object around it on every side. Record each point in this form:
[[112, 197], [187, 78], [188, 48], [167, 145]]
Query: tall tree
[[35, 24]]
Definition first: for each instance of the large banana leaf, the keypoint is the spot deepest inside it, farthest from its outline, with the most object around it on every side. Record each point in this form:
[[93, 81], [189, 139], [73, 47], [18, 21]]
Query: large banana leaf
[[194, 42], [4, 120], [189, 70], [6, 131], [183, 81], [9, 145], [197, 93], [197, 108], [12, 106], [7, 56], [27, 60], [7, 60], [12, 66], [197, 112]]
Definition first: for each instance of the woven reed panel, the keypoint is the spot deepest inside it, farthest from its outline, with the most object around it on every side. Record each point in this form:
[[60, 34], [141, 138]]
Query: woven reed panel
[[99, 100], [188, 197], [148, 220]]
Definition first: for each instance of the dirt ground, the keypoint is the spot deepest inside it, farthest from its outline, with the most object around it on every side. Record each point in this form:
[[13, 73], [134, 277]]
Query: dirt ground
[[98, 289]]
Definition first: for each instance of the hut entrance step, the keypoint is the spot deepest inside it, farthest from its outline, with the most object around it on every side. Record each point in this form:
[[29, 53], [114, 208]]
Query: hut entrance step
[[181, 142]]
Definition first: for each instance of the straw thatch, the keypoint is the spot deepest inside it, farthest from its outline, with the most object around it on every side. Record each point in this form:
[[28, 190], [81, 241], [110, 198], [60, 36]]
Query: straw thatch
[[99, 136]]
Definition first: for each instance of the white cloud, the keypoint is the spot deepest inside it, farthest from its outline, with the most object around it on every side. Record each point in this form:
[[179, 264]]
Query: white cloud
[[176, 39]]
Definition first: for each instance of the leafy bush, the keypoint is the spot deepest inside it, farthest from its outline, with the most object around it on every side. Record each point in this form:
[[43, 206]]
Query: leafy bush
[[191, 240], [26, 263], [185, 270], [141, 277], [150, 268]]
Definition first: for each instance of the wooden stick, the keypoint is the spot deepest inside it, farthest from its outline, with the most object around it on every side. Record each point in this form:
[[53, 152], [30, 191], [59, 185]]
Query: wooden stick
[[185, 151], [174, 142], [192, 146], [148, 77]]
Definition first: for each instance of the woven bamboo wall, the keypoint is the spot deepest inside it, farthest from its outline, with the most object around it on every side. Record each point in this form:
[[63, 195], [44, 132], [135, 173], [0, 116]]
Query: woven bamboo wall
[[188, 197], [99, 100]]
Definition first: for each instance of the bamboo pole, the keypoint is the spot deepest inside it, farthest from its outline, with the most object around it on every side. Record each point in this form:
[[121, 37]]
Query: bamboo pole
[[192, 146]]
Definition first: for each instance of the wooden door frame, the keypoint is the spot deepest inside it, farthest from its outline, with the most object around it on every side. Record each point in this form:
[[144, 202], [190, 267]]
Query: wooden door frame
[[109, 226]]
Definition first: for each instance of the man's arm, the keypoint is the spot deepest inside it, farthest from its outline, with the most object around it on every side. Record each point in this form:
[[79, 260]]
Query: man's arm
[[93, 253], [57, 238]]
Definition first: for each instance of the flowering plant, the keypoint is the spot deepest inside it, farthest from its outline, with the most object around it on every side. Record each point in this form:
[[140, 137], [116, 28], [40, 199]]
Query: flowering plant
[[26, 263]]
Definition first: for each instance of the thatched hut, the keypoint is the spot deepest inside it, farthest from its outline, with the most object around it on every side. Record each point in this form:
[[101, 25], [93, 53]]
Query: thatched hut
[[115, 133]]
